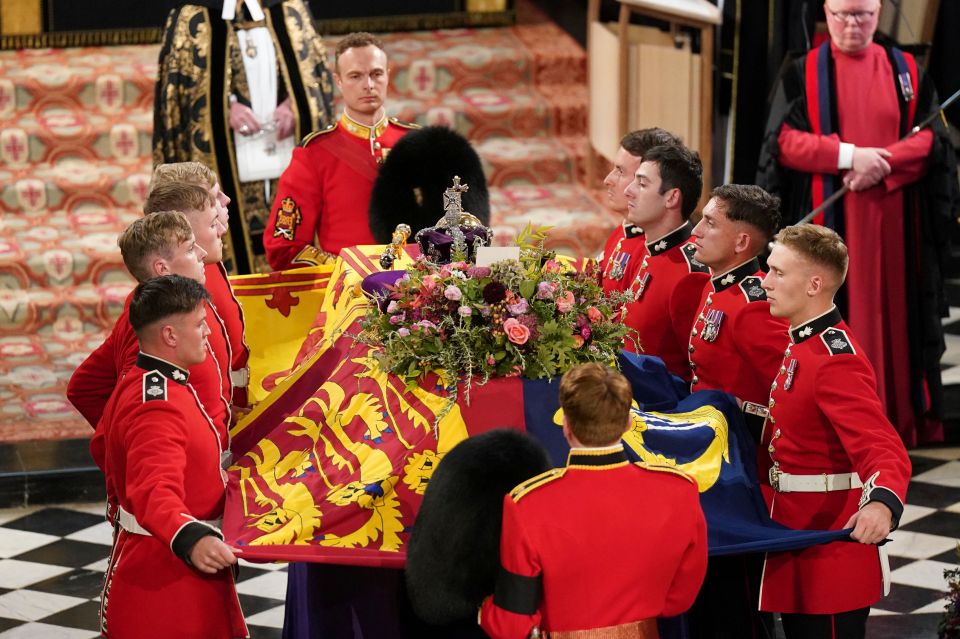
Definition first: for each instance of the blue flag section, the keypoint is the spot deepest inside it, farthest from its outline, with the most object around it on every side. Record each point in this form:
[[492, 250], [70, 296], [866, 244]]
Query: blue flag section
[[702, 434]]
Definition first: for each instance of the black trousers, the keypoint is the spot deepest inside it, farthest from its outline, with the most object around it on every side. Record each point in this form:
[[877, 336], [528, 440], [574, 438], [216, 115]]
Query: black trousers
[[843, 625]]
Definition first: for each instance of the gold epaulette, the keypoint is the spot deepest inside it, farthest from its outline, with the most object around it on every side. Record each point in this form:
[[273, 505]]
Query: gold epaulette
[[404, 125], [312, 136], [666, 468], [535, 482]]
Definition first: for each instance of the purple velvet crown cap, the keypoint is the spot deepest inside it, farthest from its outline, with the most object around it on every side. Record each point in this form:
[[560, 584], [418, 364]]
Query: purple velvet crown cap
[[437, 245], [375, 286]]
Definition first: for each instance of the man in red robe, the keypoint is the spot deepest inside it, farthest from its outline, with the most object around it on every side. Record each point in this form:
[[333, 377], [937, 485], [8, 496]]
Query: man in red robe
[[838, 117], [323, 196]]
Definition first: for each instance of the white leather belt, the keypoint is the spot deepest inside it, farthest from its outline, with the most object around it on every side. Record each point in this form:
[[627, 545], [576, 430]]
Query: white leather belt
[[129, 523], [240, 377], [823, 483]]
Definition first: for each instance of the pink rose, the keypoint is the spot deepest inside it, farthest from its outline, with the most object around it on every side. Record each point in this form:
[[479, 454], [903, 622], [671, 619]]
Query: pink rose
[[403, 332], [516, 332], [396, 319], [594, 314], [518, 308], [565, 302], [551, 266], [546, 290], [428, 283], [453, 293]]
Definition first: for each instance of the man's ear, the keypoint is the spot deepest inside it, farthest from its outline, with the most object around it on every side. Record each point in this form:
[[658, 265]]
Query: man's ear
[[159, 267], [815, 285], [168, 335], [674, 198]]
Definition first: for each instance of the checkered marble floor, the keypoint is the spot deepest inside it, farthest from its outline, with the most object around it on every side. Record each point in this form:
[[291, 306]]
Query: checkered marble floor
[[52, 560]]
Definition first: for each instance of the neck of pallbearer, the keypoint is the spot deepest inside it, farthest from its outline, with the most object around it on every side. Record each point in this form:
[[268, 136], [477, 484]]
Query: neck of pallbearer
[[370, 120], [671, 221], [811, 313]]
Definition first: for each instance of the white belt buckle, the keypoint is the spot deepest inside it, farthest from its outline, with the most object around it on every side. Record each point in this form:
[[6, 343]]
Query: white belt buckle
[[240, 377]]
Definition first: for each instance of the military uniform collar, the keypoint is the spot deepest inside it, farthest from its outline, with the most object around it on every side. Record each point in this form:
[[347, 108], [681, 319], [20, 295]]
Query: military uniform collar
[[674, 238], [816, 325], [162, 366], [363, 131], [735, 275], [630, 231], [597, 458]]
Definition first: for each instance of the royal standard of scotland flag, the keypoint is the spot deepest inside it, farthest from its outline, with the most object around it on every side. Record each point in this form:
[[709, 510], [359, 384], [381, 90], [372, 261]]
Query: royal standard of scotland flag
[[331, 466]]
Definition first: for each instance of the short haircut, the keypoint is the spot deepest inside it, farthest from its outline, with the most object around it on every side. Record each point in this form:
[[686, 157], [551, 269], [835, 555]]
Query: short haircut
[[158, 234], [637, 143], [161, 297], [596, 401], [680, 168], [186, 172], [818, 244], [177, 196], [357, 40], [751, 204]]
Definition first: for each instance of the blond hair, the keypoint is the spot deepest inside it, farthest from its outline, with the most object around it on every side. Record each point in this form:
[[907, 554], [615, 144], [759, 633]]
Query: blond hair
[[817, 244], [177, 196], [596, 401], [185, 172], [156, 235]]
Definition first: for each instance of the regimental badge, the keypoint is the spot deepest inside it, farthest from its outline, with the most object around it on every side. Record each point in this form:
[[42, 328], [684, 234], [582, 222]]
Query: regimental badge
[[178, 375], [837, 342], [751, 288], [791, 371], [619, 267], [154, 386], [711, 325], [288, 219]]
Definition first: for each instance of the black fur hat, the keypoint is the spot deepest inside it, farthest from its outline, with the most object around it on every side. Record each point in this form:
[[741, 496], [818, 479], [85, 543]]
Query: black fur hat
[[454, 551], [409, 188]]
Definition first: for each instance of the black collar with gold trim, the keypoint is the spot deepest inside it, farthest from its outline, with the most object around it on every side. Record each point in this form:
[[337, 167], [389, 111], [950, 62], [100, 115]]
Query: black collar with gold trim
[[162, 366], [597, 458], [673, 238], [735, 275], [363, 131], [816, 326]]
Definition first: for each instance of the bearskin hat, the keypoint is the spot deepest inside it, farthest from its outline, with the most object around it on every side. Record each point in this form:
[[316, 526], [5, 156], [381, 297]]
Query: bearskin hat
[[419, 168], [454, 551]]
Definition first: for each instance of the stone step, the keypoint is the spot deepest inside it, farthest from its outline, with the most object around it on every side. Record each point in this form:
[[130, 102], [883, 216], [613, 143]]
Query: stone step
[[106, 80], [56, 133], [74, 183]]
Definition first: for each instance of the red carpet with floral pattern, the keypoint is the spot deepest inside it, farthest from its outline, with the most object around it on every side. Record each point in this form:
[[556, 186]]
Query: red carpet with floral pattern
[[75, 128]]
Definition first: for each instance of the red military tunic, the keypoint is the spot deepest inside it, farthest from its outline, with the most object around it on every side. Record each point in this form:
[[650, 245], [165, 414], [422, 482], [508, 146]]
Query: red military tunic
[[621, 257], [230, 312], [667, 286], [825, 417], [95, 379], [600, 543], [873, 219], [322, 199], [163, 460]]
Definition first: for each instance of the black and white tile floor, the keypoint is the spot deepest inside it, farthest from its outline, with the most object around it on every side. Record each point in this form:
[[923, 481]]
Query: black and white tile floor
[[52, 560]]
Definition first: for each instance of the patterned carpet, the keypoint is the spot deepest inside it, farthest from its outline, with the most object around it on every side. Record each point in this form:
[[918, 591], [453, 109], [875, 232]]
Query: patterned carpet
[[52, 561], [75, 131]]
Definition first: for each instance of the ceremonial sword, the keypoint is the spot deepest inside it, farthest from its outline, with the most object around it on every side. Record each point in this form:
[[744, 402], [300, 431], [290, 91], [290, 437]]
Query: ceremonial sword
[[839, 194]]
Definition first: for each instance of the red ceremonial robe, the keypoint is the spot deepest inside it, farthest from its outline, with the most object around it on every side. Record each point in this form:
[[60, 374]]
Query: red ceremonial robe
[[621, 257], [868, 114]]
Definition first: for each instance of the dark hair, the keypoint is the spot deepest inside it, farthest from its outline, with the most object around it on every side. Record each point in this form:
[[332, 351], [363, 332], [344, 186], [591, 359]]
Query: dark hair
[[751, 204], [638, 142], [357, 40], [680, 168], [162, 297], [596, 400]]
